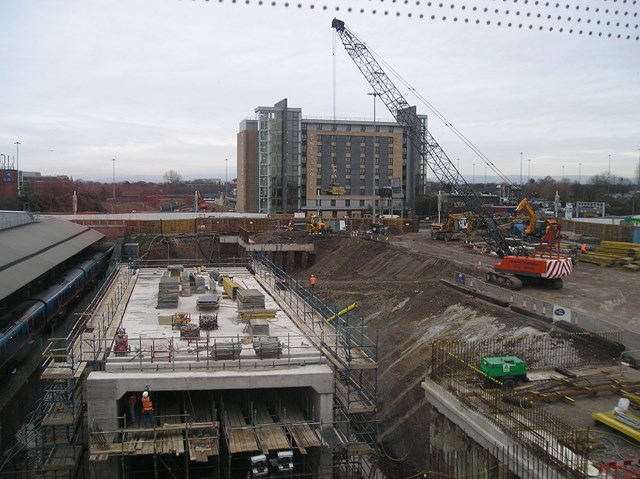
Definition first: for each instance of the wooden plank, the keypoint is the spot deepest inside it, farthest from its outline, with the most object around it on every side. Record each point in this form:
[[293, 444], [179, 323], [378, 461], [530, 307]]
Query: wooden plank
[[270, 436]]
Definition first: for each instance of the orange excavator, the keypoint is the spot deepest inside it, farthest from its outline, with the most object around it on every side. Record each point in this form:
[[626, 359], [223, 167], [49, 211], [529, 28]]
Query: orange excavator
[[517, 265]]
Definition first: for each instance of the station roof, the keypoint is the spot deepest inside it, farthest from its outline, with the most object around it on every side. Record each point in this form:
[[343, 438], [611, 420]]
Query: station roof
[[31, 248]]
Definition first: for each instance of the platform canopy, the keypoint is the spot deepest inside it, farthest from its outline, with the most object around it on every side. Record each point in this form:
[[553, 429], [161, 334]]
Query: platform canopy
[[30, 248]]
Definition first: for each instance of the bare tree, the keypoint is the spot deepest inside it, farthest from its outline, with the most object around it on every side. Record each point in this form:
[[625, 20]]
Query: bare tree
[[172, 176]]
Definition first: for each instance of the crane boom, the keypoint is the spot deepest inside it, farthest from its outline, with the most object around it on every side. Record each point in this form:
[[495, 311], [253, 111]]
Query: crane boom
[[514, 266], [439, 163]]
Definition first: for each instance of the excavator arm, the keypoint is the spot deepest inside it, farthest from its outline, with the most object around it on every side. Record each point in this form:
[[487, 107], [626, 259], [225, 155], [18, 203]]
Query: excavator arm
[[525, 207]]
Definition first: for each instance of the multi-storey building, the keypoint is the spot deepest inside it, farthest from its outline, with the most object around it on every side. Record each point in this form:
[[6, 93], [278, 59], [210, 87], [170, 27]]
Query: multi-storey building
[[337, 168]]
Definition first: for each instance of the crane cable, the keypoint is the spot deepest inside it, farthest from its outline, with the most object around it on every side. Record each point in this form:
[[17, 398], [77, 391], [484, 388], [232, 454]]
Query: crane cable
[[437, 113]]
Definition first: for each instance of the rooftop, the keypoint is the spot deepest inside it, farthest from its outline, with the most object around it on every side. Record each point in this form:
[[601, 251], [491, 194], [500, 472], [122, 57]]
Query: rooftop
[[252, 335]]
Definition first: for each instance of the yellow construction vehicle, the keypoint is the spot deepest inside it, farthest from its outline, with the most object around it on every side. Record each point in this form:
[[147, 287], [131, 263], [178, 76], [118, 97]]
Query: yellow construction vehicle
[[458, 225], [316, 225], [536, 226]]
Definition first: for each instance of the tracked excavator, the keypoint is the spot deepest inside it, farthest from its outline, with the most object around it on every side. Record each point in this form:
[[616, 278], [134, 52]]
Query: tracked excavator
[[536, 226], [517, 265], [457, 226]]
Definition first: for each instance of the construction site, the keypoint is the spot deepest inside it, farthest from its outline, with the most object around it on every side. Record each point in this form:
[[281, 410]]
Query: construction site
[[240, 346], [373, 372]]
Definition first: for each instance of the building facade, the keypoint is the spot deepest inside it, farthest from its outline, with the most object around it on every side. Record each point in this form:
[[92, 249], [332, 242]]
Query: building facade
[[333, 167]]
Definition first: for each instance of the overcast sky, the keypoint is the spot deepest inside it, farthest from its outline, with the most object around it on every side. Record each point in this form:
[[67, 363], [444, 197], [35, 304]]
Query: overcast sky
[[164, 84]]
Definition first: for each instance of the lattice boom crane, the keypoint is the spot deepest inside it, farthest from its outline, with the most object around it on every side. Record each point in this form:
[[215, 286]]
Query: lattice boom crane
[[514, 267]]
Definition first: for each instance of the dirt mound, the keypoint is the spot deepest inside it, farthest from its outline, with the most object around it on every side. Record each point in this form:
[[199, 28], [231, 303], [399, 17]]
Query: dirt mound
[[405, 305]]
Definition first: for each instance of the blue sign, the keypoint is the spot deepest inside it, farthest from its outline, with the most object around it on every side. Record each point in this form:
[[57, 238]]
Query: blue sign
[[7, 177]]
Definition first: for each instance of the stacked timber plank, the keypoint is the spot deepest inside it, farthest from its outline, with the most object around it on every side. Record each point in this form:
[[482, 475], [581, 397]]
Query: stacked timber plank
[[240, 434], [615, 253], [200, 284], [230, 287], [168, 292], [271, 436], [251, 305], [250, 299], [567, 388], [185, 290], [267, 347]]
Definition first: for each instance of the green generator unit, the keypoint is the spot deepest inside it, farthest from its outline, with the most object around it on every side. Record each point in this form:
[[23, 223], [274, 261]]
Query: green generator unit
[[507, 370]]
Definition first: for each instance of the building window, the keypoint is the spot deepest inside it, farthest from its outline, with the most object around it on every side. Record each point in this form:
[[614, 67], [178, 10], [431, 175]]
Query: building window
[[319, 170], [363, 128], [347, 171], [377, 160], [348, 138], [361, 203], [348, 127], [362, 171], [318, 181], [334, 127], [390, 171], [377, 129], [362, 192], [319, 127], [390, 140], [377, 150], [363, 138], [377, 171], [347, 160], [347, 148], [333, 138], [362, 159], [347, 202], [333, 202], [361, 181], [390, 148], [390, 129]]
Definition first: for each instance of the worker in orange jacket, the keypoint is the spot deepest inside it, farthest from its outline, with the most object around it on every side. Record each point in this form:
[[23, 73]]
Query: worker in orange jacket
[[583, 248], [312, 281], [147, 410]]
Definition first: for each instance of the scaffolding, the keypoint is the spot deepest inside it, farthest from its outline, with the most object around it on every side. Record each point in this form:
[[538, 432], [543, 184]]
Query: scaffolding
[[52, 442], [352, 354]]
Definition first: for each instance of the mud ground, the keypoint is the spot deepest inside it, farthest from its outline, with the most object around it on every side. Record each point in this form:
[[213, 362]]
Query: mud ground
[[397, 285]]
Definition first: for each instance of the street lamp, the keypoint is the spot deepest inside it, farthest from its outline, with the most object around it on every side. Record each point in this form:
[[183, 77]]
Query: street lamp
[[17, 143], [529, 171], [579, 173], [113, 207], [520, 168], [226, 179], [474, 174], [638, 177]]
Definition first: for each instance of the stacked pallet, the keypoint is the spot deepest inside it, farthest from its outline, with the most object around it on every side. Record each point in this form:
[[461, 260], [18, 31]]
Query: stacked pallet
[[200, 284], [250, 299], [615, 253], [185, 284], [168, 292]]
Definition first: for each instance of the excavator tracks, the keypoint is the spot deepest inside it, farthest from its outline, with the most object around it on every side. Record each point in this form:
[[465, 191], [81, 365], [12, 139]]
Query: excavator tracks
[[506, 280]]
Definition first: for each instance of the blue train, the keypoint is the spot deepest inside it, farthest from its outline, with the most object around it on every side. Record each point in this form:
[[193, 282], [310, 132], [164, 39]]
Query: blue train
[[25, 322]]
